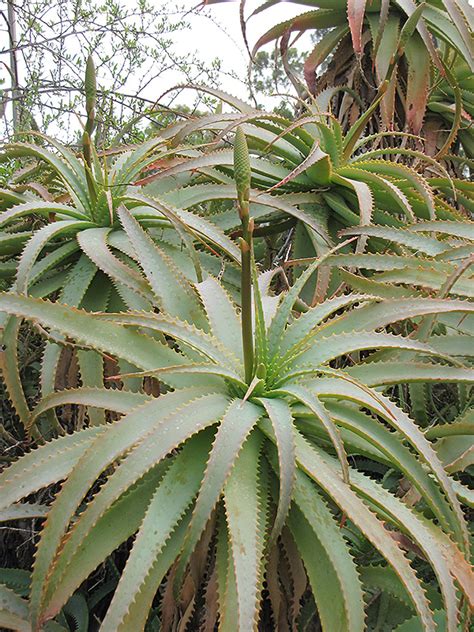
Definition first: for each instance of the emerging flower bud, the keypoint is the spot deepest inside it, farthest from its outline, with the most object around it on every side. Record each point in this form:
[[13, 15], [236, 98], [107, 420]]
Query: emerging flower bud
[[242, 173]]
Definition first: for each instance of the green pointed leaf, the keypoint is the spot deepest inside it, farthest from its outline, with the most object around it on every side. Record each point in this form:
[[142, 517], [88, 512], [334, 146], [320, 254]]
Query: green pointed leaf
[[260, 329], [296, 334], [91, 331], [222, 315], [44, 465], [306, 397], [229, 601], [67, 167], [174, 293], [22, 511], [10, 367], [282, 316], [93, 243], [280, 415], [203, 343], [404, 236], [40, 208], [108, 399], [138, 612], [326, 349], [165, 510], [375, 315], [191, 224], [330, 568], [387, 373], [242, 503], [464, 230], [235, 426]]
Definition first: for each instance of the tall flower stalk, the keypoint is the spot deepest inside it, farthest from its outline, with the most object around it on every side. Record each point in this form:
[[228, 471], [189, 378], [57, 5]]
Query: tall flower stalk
[[242, 180]]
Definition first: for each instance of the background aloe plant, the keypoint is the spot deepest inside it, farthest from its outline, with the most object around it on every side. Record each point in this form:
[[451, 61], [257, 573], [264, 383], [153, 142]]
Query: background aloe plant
[[264, 447], [80, 253], [403, 40], [328, 179]]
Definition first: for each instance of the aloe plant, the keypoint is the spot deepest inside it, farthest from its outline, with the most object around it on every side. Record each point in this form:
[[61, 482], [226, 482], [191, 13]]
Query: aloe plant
[[80, 253], [87, 221], [256, 452], [451, 104], [425, 259], [334, 179], [402, 40]]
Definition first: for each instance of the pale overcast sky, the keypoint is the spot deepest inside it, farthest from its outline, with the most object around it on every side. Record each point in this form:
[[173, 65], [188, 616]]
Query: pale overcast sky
[[210, 40], [215, 32]]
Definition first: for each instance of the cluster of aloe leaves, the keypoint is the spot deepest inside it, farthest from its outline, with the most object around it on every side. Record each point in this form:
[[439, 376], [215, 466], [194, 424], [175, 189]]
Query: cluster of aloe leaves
[[311, 161], [302, 459], [256, 435], [81, 254], [382, 39], [334, 179]]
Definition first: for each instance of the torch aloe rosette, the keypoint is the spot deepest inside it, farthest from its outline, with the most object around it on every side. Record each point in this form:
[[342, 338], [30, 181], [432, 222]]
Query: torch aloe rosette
[[254, 447], [401, 39], [334, 180], [86, 221], [83, 256], [78, 252], [78, 195]]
